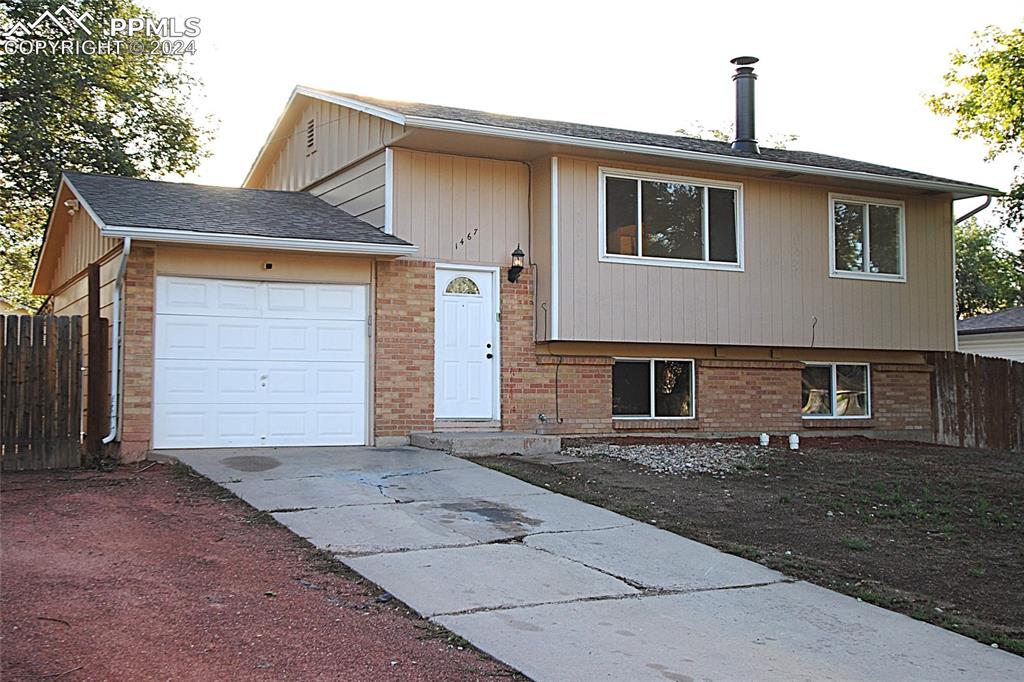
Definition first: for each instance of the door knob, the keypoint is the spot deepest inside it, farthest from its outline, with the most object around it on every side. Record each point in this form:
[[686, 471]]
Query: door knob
[[489, 356]]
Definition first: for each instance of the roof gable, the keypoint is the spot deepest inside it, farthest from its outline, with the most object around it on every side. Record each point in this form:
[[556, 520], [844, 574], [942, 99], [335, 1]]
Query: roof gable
[[419, 115]]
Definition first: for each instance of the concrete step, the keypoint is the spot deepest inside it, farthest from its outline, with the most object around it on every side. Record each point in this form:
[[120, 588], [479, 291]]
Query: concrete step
[[462, 443], [489, 426]]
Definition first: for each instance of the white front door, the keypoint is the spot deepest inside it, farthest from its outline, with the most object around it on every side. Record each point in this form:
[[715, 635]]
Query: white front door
[[241, 363], [466, 360]]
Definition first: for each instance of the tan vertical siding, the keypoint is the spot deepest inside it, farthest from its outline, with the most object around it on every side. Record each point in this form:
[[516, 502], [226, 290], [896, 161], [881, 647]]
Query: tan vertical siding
[[785, 284], [343, 135], [192, 261], [461, 209], [359, 189], [82, 245], [540, 244]]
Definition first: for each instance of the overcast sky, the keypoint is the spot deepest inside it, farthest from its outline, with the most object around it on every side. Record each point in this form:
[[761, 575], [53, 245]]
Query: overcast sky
[[848, 82]]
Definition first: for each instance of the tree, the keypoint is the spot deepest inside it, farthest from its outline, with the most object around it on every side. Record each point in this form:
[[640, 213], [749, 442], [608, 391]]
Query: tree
[[123, 113], [989, 276], [985, 97], [722, 134]]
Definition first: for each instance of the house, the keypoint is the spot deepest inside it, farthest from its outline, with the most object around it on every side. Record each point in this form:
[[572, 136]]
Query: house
[[366, 283], [997, 335], [11, 308]]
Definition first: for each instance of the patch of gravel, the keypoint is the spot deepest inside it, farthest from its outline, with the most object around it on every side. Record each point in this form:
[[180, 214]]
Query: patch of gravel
[[713, 457]]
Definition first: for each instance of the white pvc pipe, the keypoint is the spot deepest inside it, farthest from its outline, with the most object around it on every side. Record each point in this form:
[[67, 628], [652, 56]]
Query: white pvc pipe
[[115, 345]]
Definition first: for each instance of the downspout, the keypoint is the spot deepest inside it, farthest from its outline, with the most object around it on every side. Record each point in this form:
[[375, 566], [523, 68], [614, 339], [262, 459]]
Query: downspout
[[956, 221], [115, 341], [976, 211]]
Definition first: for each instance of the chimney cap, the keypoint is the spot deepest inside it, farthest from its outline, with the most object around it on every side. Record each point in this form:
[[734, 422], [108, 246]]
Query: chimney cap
[[744, 61]]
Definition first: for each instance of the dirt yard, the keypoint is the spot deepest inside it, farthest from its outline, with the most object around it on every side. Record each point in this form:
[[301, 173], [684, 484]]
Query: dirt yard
[[159, 575], [936, 533]]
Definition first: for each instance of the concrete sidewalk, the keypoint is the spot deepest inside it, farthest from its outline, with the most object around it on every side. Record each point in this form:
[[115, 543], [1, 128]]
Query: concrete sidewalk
[[563, 590]]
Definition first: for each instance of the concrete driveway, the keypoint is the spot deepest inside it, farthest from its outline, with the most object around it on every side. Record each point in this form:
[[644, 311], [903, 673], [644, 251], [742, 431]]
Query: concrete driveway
[[563, 590]]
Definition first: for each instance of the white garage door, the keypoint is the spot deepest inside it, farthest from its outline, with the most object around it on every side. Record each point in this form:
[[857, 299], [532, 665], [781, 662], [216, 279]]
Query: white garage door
[[258, 363]]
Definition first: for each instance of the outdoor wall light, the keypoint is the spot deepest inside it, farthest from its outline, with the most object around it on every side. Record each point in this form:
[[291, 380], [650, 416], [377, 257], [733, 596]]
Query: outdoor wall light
[[518, 260]]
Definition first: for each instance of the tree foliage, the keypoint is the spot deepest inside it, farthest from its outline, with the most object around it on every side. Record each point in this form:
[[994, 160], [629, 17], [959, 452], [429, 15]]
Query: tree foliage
[[989, 277], [721, 133], [985, 98], [126, 114]]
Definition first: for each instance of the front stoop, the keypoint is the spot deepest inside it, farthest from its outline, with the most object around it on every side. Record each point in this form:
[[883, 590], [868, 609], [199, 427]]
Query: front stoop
[[461, 443]]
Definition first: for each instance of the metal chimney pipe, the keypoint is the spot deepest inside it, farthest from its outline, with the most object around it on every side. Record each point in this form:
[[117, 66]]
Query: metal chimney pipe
[[745, 140]]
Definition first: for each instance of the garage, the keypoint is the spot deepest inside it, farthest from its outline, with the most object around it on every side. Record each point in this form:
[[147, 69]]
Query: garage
[[242, 363]]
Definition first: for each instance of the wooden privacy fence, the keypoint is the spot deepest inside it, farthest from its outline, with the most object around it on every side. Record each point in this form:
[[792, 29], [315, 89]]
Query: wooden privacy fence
[[978, 402], [40, 392]]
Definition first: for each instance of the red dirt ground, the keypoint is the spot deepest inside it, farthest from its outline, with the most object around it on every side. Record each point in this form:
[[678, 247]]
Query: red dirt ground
[[159, 575]]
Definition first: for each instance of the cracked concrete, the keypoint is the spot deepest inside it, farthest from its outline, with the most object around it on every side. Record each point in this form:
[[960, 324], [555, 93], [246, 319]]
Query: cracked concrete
[[563, 590]]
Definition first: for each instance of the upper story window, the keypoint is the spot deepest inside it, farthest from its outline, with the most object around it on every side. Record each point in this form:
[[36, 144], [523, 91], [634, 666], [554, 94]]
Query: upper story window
[[667, 220], [867, 238]]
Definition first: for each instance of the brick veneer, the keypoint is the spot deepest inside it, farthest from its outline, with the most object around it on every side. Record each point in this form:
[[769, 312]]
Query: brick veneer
[[735, 396], [901, 404], [404, 358], [529, 379], [137, 376], [404, 387]]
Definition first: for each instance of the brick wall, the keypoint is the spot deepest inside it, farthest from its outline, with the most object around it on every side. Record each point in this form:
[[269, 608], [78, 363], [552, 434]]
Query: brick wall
[[529, 380], [404, 388], [748, 396], [137, 377], [901, 405], [404, 383]]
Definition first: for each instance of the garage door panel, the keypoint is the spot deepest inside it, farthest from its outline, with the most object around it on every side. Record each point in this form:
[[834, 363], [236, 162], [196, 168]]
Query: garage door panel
[[207, 381], [238, 298], [316, 341], [207, 425], [316, 424], [232, 338], [204, 337], [249, 363], [188, 295], [305, 382], [315, 301], [196, 296]]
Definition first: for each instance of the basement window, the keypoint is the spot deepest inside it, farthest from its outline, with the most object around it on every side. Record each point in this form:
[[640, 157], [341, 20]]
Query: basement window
[[836, 391], [653, 389], [657, 219], [867, 238]]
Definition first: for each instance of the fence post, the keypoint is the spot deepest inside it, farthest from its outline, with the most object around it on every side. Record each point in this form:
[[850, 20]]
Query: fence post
[[97, 372]]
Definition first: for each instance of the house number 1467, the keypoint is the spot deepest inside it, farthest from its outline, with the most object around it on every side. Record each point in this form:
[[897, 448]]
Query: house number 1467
[[467, 238]]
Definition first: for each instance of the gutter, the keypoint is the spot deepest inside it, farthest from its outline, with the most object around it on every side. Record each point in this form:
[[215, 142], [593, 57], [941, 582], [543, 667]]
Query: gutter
[[652, 150], [990, 330], [115, 341], [253, 241]]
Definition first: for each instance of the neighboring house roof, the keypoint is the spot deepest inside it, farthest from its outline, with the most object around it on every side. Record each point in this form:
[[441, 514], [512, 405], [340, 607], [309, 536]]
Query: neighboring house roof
[[9, 308], [1008, 320], [469, 120], [151, 208]]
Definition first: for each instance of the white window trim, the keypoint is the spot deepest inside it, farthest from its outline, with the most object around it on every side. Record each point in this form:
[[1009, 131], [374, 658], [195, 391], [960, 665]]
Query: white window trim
[[389, 190], [650, 364], [835, 385], [605, 257], [851, 274]]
